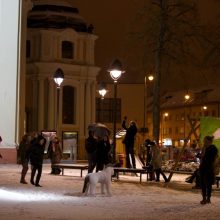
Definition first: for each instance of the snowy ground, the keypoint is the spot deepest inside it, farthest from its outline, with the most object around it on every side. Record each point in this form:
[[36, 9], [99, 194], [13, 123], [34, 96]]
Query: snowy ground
[[60, 198]]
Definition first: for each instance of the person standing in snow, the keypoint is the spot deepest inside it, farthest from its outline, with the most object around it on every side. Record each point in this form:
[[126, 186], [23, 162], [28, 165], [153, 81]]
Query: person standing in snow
[[156, 161], [91, 149], [23, 153], [36, 159], [129, 142], [207, 170]]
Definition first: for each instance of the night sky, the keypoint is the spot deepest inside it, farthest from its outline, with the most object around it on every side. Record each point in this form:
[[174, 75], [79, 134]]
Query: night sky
[[113, 21]]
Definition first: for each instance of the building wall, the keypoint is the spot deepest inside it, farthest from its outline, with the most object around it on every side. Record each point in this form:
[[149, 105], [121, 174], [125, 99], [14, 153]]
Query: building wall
[[176, 126], [79, 73], [9, 63]]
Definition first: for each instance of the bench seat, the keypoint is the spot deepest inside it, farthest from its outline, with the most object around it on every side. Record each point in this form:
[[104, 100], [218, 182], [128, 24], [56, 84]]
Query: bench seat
[[71, 166], [117, 170]]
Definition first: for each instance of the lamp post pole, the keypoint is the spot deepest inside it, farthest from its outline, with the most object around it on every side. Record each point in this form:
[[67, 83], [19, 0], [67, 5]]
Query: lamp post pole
[[115, 70], [150, 78], [58, 79]]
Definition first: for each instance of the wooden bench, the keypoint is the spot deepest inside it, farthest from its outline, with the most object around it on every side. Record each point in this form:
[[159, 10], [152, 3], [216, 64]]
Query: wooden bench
[[117, 170], [71, 166]]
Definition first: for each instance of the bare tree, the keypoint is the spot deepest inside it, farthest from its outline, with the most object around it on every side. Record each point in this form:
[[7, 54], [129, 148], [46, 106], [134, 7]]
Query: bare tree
[[171, 36]]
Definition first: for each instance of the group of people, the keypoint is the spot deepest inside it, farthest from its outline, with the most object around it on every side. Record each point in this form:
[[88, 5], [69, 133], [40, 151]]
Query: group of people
[[31, 149], [98, 152], [205, 174], [154, 156]]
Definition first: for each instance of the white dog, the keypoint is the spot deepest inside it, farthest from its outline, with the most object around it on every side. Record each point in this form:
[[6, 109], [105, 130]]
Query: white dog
[[103, 177]]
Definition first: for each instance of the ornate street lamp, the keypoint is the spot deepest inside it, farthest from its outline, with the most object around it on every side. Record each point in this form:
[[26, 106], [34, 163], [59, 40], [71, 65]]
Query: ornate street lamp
[[115, 70], [58, 79]]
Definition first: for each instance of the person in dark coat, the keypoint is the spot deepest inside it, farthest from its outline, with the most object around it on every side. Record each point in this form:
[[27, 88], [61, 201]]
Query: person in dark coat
[[91, 149], [36, 159], [23, 153], [129, 142], [207, 172], [103, 151]]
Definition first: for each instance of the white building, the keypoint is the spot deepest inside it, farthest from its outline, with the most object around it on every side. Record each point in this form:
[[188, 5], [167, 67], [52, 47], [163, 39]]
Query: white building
[[52, 35]]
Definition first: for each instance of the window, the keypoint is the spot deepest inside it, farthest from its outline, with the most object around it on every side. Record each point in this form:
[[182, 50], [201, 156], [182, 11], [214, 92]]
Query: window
[[28, 48], [104, 110], [68, 116], [67, 49]]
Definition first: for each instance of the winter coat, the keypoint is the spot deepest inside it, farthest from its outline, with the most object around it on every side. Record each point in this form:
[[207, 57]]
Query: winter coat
[[156, 157], [103, 149], [24, 151], [207, 169], [37, 152], [130, 134], [91, 145], [54, 152]]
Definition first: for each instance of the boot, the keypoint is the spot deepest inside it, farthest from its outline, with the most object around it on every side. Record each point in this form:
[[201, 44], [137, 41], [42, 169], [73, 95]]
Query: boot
[[208, 200], [203, 202], [23, 181], [189, 179]]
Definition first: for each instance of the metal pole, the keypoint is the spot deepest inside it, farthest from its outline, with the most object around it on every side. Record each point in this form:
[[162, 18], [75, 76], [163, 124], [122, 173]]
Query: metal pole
[[114, 120], [145, 107], [57, 119]]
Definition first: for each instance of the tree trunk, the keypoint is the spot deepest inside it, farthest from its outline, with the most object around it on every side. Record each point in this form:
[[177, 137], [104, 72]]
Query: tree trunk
[[157, 82]]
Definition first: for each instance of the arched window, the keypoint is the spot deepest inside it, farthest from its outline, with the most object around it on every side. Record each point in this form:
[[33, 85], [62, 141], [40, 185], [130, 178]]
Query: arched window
[[68, 116], [67, 49]]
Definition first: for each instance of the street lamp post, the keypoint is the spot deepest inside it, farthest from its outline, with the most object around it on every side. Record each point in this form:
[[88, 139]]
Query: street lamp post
[[150, 78], [58, 79], [115, 70]]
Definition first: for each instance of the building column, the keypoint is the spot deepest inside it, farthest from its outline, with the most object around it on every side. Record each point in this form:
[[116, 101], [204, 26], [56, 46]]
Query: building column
[[41, 107], [34, 111], [51, 105], [88, 106], [93, 101], [26, 5]]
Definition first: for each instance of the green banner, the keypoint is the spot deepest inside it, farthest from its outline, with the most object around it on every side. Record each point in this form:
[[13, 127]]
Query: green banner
[[210, 126]]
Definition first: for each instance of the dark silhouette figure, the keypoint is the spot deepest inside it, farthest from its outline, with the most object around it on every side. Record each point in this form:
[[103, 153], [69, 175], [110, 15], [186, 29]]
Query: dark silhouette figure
[[129, 142], [207, 172], [103, 151], [23, 153], [36, 159], [91, 149]]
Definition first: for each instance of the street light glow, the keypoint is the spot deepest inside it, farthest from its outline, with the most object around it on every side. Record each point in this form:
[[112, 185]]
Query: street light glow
[[58, 77], [102, 92], [187, 97], [151, 77], [115, 74]]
